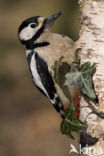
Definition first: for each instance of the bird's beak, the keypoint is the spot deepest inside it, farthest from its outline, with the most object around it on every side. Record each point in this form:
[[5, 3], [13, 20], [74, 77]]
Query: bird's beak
[[52, 18]]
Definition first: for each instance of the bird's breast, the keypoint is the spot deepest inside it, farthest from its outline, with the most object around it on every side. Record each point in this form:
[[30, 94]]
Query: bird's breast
[[56, 49], [59, 46]]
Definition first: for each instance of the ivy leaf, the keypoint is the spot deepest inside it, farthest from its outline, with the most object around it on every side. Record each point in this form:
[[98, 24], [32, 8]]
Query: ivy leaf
[[56, 67], [86, 67], [82, 79], [70, 123]]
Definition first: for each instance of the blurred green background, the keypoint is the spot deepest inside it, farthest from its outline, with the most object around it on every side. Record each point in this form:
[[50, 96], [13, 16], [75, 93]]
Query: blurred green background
[[29, 125]]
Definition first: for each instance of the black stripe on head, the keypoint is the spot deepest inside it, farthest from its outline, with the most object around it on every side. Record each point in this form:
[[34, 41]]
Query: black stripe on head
[[28, 21], [30, 43], [41, 44], [31, 46], [40, 31]]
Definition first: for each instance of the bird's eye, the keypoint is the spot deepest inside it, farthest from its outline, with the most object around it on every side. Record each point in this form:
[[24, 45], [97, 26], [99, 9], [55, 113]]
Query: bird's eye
[[33, 25]]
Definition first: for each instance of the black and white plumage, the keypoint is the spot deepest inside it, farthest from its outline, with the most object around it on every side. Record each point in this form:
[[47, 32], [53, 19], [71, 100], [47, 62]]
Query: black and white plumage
[[35, 34], [43, 80]]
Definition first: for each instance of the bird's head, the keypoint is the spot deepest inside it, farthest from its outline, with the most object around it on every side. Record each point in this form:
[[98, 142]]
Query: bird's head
[[33, 27]]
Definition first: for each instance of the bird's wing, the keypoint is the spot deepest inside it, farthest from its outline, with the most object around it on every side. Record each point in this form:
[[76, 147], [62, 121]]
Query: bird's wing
[[43, 80]]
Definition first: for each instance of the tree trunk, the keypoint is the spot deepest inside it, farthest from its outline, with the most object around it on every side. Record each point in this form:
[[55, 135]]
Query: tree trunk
[[91, 46]]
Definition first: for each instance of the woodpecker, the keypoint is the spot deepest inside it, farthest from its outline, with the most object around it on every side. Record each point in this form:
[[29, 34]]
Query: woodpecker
[[43, 48]]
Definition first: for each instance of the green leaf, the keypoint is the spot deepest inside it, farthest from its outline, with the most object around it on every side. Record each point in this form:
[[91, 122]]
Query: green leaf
[[70, 123], [56, 67], [86, 67], [82, 79]]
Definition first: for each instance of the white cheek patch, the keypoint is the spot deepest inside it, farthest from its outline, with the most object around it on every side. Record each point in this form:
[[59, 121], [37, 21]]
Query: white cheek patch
[[28, 32]]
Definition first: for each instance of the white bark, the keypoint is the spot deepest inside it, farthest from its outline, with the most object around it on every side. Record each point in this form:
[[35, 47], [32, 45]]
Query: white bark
[[91, 45]]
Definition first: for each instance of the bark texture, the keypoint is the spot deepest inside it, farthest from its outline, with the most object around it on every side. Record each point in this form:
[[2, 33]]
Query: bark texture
[[91, 45]]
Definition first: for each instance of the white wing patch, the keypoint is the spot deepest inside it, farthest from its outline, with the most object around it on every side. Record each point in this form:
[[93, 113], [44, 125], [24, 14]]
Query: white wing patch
[[35, 75]]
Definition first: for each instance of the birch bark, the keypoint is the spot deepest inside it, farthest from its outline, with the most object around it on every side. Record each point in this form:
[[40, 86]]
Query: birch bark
[[91, 45]]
